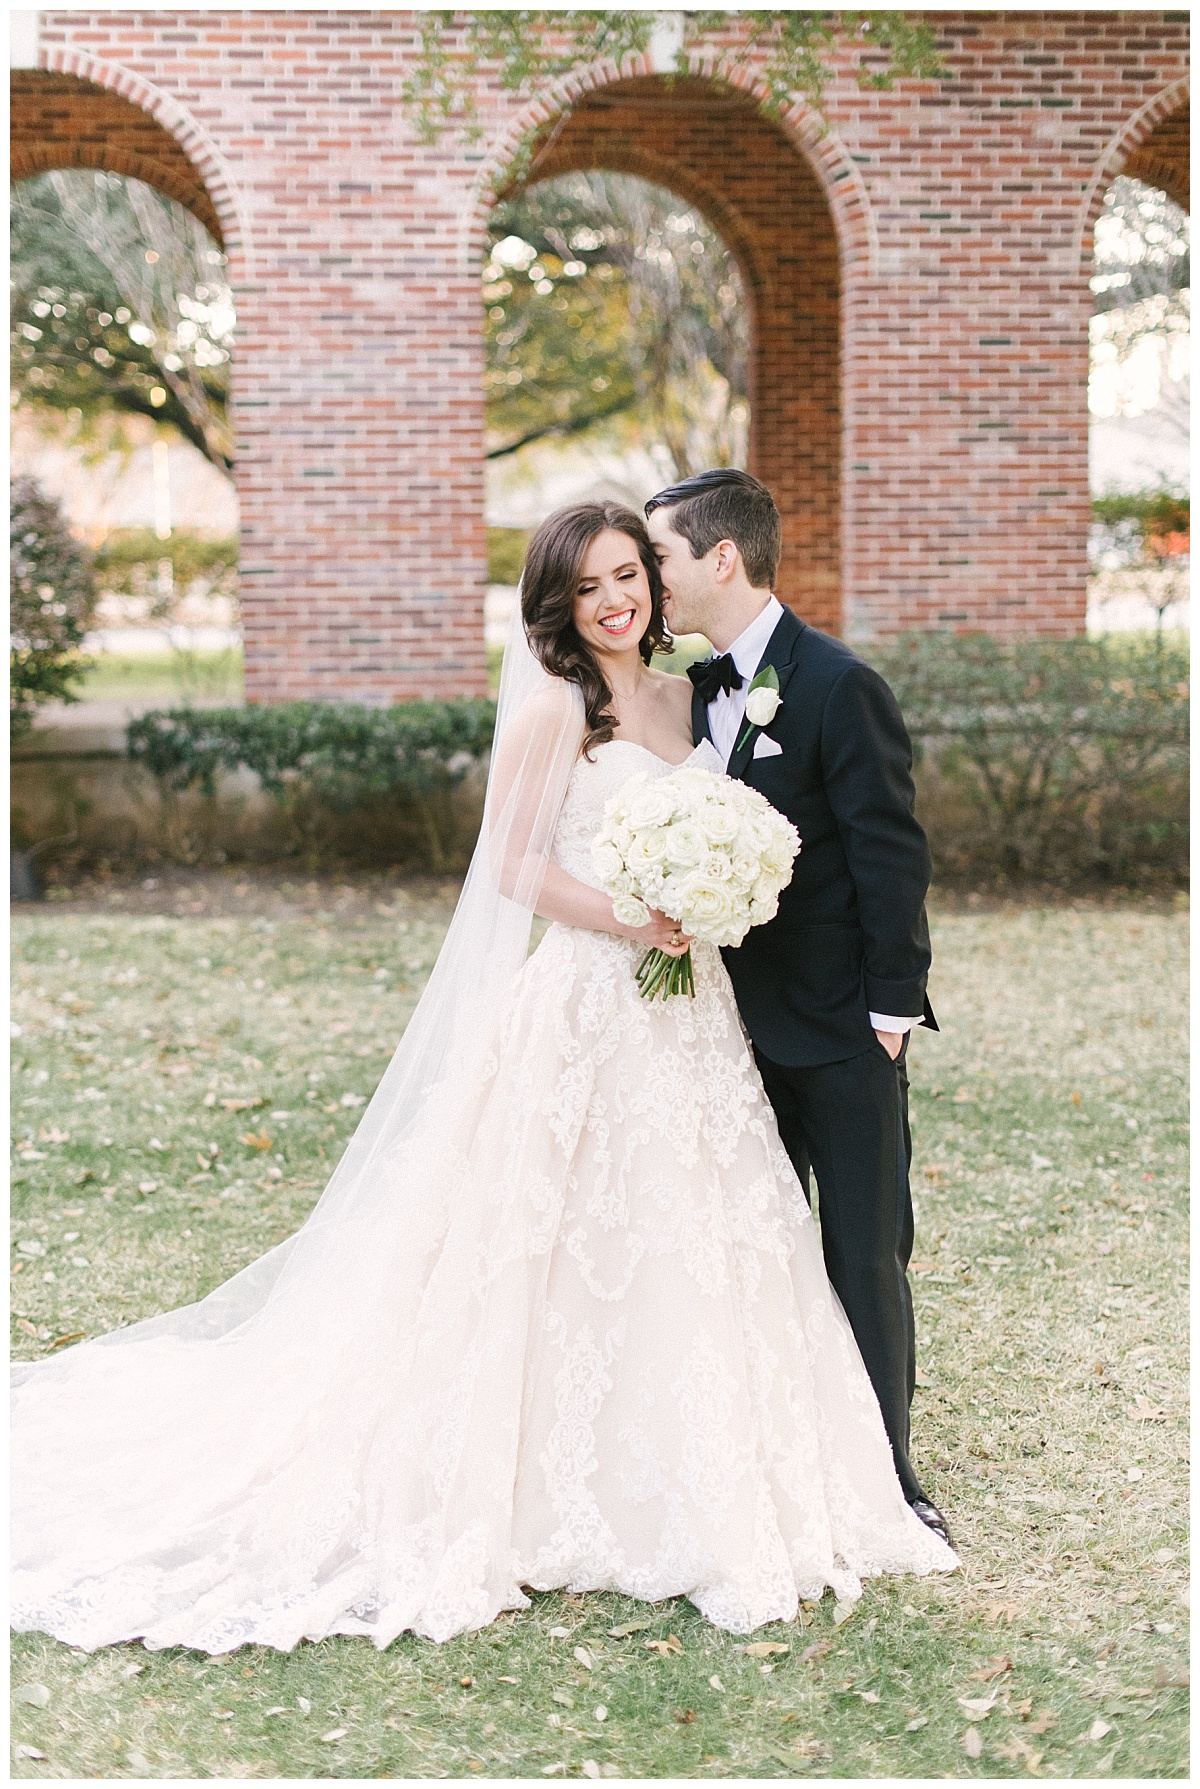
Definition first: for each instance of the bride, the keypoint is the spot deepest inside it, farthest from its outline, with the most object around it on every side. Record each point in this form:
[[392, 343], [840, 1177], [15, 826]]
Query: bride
[[560, 1317]]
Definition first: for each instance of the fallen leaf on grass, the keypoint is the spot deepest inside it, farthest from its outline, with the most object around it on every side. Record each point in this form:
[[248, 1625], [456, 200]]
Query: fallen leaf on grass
[[1017, 1752], [243, 1105], [564, 1697], [1099, 1730], [590, 1768], [76, 1335], [842, 1612], [255, 1141], [1146, 1412], [972, 1743], [30, 1329], [508, 1680], [562, 1633], [268, 1712], [583, 1657], [811, 1654], [1044, 1722], [23, 1751], [978, 1710], [664, 1648], [553, 1770], [623, 1631], [994, 1668], [36, 1694], [762, 1649], [868, 1695], [1163, 1681], [922, 1720], [334, 1733], [685, 1716]]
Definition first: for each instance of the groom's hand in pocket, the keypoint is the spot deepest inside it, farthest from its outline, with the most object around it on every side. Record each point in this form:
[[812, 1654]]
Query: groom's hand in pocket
[[892, 1041]]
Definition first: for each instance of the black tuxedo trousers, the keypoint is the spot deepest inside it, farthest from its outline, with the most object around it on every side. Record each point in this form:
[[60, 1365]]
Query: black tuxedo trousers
[[850, 938], [847, 1123]]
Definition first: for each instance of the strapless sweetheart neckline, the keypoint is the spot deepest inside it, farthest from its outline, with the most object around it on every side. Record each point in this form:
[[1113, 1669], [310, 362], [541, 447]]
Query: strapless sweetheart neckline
[[637, 747]]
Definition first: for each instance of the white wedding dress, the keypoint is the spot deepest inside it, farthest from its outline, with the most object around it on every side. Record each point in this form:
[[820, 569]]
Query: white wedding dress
[[600, 1351]]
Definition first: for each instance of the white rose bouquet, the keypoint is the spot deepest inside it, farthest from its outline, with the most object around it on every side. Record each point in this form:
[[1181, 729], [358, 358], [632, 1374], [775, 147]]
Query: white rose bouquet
[[708, 850]]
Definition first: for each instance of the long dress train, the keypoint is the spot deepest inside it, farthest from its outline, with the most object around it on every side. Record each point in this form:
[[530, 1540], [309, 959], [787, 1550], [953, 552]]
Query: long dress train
[[600, 1352]]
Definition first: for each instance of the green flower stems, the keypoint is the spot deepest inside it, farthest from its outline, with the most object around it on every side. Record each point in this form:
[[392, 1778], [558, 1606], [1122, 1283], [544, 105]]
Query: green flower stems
[[658, 973]]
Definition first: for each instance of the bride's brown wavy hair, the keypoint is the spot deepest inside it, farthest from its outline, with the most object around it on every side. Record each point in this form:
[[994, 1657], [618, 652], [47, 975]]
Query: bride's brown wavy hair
[[549, 582]]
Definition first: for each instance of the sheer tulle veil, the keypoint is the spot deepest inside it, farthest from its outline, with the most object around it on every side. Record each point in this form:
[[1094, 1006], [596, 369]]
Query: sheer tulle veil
[[377, 1184]]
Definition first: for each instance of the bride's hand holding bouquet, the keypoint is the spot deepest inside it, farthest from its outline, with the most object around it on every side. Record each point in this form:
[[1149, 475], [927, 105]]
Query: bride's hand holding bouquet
[[706, 850]]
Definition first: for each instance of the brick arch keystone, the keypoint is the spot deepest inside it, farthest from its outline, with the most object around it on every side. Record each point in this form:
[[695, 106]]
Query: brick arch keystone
[[837, 174], [175, 119], [1116, 153]]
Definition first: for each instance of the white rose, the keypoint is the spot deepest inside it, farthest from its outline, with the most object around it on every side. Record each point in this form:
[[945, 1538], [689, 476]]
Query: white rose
[[716, 867], [649, 846], [628, 911], [721, 822], [762, 705], [685, 844], [710, 908], [652, 805], [606, 860]]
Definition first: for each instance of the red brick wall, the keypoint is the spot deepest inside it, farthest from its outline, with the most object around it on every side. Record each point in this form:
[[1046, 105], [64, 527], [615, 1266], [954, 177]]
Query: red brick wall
[[961, 211]]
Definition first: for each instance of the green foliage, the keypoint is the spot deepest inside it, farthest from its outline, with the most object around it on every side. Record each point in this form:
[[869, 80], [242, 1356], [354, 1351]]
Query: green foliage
[[1061, 760], [120, 303], [52, 593], [525, 49], [131, 559], [506, 554], [1146, 515], [607, 297], [337, 751], [324, 760]]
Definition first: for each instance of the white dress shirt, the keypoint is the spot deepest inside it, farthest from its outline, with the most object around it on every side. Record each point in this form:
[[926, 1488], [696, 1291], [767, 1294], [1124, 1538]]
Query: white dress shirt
[[727, 711]]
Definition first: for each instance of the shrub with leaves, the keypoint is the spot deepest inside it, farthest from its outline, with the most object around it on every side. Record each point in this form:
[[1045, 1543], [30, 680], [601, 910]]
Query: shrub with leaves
[[52, 593], [1062, 760], [320, 759]]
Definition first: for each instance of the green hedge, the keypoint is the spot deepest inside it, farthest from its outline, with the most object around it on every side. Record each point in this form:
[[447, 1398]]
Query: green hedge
[[1056, 761], [1064, 761], [389, 772]]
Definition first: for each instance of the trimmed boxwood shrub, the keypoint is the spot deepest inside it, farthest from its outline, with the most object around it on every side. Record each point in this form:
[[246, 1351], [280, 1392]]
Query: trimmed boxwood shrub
[[1065, 761], [322, 761], [1059, 761]]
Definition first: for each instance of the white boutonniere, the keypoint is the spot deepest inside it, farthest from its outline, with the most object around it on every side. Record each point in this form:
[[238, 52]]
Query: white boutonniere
[[762, 702]]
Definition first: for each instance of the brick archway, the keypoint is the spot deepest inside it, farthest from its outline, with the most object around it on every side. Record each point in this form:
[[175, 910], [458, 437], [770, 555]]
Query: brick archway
[[1152, 146], [94, 115], [707, 139]]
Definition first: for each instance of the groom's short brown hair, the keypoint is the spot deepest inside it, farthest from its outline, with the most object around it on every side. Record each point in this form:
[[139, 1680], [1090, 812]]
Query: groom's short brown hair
[[726, 504]]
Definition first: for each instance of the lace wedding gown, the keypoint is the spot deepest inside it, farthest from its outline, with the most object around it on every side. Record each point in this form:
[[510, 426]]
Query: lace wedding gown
[[599, 1352]]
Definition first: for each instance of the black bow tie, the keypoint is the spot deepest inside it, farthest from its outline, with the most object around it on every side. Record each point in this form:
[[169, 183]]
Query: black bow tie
[[714, 675]]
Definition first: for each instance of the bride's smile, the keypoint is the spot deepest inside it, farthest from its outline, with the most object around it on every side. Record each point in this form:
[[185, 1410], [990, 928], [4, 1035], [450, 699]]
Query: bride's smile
[[612, 599]]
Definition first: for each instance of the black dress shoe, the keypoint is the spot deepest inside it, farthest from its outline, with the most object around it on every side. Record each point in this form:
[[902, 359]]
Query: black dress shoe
[[931, 1516]]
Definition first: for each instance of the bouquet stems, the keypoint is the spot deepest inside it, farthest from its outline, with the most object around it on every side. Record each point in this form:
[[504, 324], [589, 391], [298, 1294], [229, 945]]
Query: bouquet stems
[[660, 974]]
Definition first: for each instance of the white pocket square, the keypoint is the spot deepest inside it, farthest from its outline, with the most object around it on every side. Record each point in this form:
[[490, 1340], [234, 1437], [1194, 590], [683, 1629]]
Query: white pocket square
[[766, 747]]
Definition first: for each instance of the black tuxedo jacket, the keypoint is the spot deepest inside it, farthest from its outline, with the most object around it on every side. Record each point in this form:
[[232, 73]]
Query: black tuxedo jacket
[[850, 937]]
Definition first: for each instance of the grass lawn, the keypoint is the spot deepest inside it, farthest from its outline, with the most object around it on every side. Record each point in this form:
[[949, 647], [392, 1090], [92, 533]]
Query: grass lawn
[[167, 679], [185, 1080]]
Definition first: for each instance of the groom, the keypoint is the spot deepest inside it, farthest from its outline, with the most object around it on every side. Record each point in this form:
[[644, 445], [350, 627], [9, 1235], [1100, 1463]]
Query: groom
[[830, 988]]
